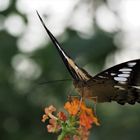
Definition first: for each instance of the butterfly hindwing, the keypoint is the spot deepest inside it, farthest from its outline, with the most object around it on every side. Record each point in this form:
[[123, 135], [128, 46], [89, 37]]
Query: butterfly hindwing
[[123, 82]]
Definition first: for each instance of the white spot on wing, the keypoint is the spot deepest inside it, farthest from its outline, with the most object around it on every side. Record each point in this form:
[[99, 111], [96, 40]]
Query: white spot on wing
[[126, 72], [131, 64], [122, 82], [125, 69], [62, 51], [64, 55], [137, 87], [100, 76], [112, 74], [124, 75], [76, 67], [120, 79], [119, 87]]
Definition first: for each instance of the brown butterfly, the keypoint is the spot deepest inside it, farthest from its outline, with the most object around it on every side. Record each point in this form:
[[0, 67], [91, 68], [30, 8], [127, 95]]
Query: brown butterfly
[[120, 83]]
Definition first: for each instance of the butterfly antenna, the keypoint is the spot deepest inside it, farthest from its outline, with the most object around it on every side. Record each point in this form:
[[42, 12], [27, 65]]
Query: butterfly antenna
[[54, 81]]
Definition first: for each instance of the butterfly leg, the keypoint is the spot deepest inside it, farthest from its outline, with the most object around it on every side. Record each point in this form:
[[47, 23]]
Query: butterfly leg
[[81, 99], [95, 100]]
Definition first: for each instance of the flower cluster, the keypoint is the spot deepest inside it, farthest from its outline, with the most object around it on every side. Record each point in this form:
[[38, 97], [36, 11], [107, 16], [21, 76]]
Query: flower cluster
[[73, 124]]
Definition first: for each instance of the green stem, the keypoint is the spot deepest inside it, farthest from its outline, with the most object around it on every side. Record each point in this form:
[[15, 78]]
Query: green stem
[[61, 136]]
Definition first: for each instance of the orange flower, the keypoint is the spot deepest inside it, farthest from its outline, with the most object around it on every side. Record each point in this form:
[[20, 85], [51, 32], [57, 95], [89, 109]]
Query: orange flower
[[86, 115], [86, 120], [72, 107]]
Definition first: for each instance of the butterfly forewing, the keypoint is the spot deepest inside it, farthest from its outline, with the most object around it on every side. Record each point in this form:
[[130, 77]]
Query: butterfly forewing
[[75, 71]]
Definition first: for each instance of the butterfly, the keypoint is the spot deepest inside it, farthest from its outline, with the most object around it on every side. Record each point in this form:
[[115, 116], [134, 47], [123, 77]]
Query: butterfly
[[120, 83]]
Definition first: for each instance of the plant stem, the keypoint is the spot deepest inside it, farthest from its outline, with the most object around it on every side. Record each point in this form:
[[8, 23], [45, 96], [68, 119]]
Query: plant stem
[[61, 136]]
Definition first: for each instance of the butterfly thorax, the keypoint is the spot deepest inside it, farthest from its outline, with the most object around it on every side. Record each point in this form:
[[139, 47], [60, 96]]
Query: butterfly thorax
[[87, 89], [95, 89]]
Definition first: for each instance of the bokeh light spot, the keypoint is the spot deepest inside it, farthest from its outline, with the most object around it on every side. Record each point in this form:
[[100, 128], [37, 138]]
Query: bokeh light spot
[[14, 24]]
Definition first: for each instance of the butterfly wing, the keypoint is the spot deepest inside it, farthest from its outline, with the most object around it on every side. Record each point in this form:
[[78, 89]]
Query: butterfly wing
[[75, 71], [120, 83]]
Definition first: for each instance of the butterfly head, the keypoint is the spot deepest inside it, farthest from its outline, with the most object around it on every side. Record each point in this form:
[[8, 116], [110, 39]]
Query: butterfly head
[[77, 73]]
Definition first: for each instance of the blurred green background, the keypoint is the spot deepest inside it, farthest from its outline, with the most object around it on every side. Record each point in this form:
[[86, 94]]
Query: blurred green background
[[95, 33]]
